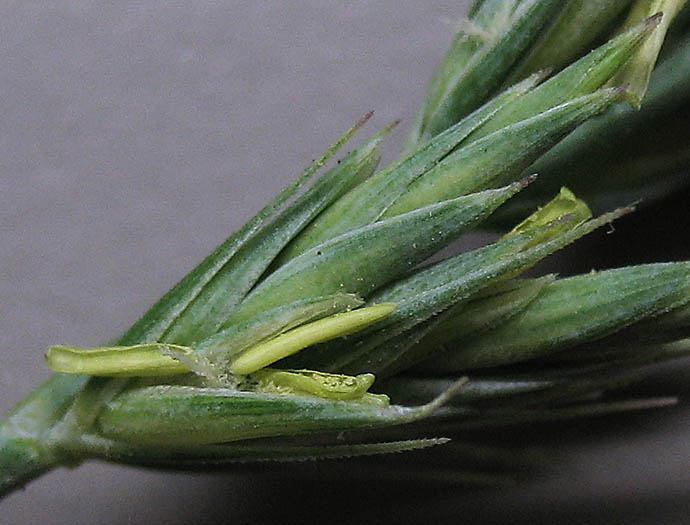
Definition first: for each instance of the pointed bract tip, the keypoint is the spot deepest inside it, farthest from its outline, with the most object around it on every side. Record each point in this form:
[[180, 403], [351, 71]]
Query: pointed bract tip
[[620, 212], [613, 215], [526, 181], [365, 118], [391, 126], [620, 93], [654, 20], [542, 74], [530, 82]]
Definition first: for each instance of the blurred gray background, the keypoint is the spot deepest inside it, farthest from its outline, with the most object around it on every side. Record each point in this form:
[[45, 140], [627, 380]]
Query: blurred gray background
[[135, 136]]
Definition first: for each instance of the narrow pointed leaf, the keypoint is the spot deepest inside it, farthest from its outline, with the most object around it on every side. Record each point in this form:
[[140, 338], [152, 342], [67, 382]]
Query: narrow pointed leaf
[[425, 294], [187, 416], [488, 68], [611, 160], [479, 32], [363, 260], [207, 313], [167, 310], [585, 76], [150, 327], [396, 347], [572, 311], [488, 312], [510, 254], [367, 202], [222, 455], [666, 327], [638, 70], [501, 157], [578, 24]]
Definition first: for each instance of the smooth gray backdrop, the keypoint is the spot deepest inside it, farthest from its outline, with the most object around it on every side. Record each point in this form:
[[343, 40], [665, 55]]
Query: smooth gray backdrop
[[135, 136]]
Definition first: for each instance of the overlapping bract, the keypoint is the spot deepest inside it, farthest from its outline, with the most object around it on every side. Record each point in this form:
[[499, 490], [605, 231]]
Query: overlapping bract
[[350, 254]]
